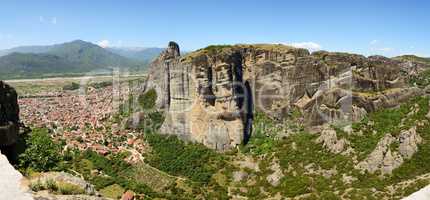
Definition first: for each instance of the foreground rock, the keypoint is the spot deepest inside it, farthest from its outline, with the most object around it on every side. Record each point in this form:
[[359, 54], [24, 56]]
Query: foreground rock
[[422, 194], [10, 182], [210, 94], [9, 119]]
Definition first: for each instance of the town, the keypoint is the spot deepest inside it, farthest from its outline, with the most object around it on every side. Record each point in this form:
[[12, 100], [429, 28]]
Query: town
[[83, 118]]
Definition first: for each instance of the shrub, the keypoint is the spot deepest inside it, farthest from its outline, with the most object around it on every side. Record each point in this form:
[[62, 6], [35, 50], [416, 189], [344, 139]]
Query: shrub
[[51, 185], [173, 156], [69, 189], [148, 99], [41, 154], [71, 86], [114, 191], [37, 186]]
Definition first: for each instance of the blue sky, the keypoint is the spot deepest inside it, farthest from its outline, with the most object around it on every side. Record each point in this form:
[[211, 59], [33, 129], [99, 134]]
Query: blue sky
[[368, 27]]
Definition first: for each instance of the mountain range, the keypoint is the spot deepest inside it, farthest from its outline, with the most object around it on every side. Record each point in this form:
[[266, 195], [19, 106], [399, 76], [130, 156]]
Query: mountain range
[[76, 57]]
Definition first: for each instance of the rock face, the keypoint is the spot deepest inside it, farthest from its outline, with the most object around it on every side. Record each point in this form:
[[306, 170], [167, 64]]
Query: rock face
[[385, 158], [330, 141], [210, 95], [9, 115], [9, 118], [10, 182], [420, 195]]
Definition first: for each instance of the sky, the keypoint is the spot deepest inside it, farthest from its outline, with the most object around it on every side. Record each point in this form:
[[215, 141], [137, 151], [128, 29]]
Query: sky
[[383, 27]]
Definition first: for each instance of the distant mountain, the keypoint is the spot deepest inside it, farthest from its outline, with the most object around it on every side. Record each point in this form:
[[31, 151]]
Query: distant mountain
[[20, 65], [413, 58], [68, 58], [142, 54], [26, 49]]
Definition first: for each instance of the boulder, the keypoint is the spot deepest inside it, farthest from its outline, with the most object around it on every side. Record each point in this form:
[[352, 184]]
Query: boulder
[[10, 182], [330, 141], [275, 178], [386, 159], [408, 142], [9, 115]]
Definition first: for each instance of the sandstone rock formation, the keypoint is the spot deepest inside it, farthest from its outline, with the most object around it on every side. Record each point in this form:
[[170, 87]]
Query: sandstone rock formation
[[10, 182], [422, 194], [9, 119], [330, 141], [210, 95], [385, 158]]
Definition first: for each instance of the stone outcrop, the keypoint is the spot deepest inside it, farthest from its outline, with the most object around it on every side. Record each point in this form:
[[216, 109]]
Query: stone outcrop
[[422, 194], [9, 119], [9, 115], [330, 141], [62, 177], [210, 95], [385, 158], [275, 178], [10, 182]]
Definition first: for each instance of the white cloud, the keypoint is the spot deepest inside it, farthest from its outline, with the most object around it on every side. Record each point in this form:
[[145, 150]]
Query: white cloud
[[312, 46], [374, 42], [385, 49], [54, 20], [103, 43]]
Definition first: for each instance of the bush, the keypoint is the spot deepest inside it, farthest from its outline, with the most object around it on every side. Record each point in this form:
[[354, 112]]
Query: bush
[[148, 99], [69, 189], [173, 156], [41, 154], [71, 86], [37, 186], [113, 191]]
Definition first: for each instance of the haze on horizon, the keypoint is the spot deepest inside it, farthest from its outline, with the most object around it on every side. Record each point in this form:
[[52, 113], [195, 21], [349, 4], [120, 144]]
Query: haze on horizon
[[366, 27]]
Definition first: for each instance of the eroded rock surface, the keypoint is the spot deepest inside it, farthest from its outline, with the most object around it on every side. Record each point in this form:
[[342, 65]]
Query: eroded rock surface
[[9, 117], [10, 182], [210, 95], [330, 141], [386, 158]]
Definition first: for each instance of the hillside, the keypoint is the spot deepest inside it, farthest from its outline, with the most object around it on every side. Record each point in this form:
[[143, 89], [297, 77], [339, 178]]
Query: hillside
[[413, 58], [21, 65], [68, 58], [26, 49]]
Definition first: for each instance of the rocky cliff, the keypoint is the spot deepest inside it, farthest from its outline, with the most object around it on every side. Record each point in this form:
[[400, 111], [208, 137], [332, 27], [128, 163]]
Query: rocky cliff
[[210, 95], [9, 119], [10, 180]]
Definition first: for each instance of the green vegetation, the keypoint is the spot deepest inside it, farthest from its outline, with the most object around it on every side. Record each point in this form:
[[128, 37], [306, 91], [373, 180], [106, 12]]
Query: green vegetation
[[148, 99], [71, 86], [422, 80], [56, 187], [113, 191], [173, 156], [174, 169], [41, 154], [262, 141], [216, 48], [387, 121], [102, 84], [413, 58]]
